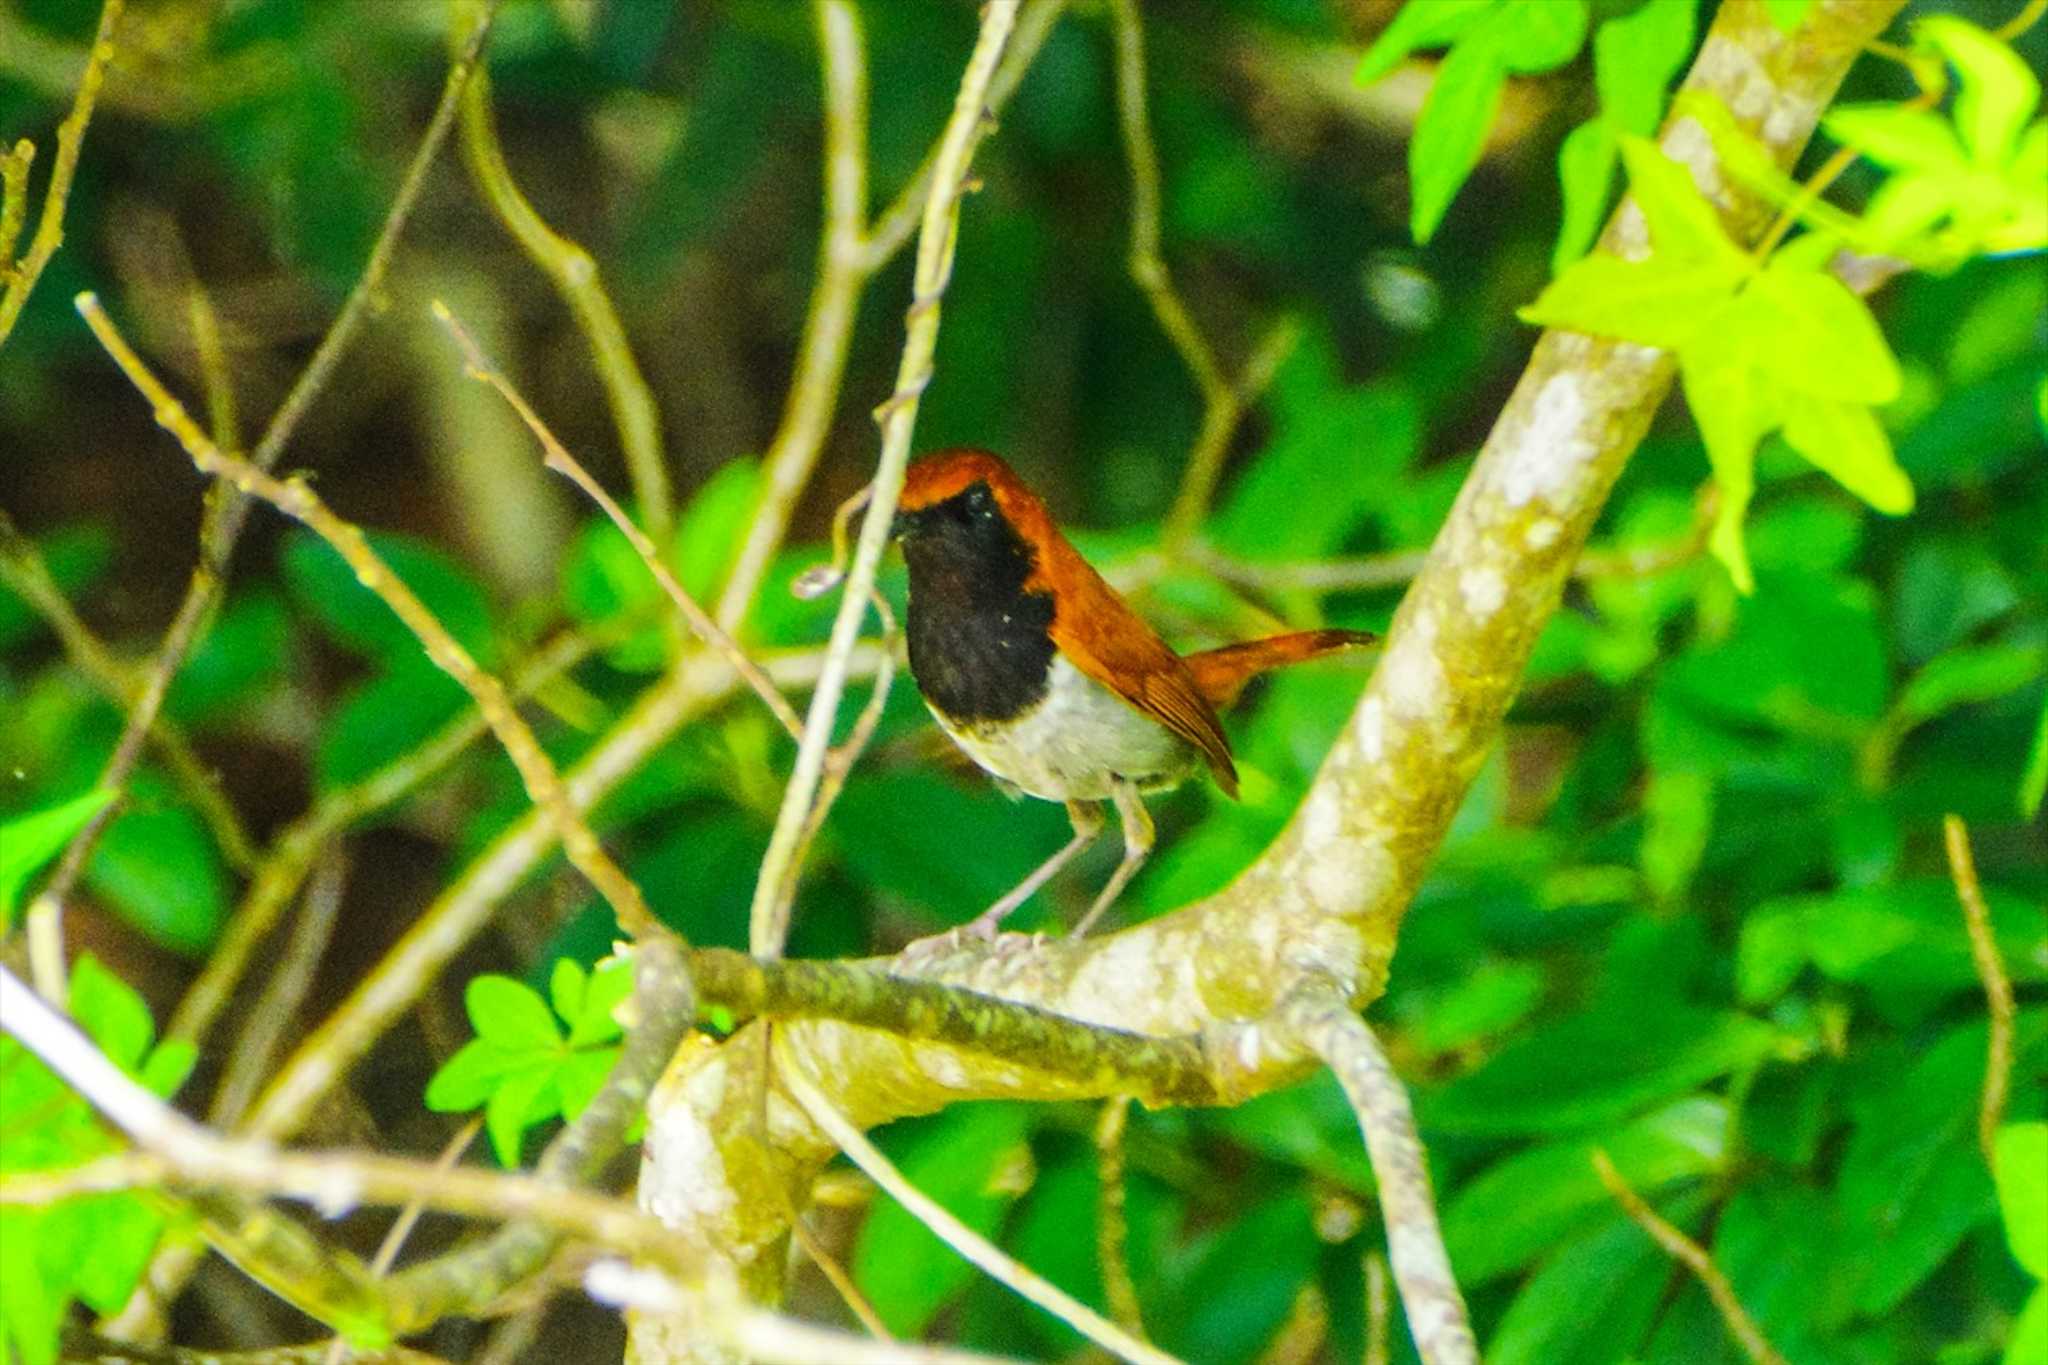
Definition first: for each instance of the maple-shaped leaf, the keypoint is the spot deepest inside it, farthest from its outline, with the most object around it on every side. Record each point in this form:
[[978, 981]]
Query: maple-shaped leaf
[[1782, 346], [1973, 181]]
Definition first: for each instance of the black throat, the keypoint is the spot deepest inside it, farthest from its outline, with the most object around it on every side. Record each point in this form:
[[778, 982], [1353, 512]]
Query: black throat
[[979, 646]]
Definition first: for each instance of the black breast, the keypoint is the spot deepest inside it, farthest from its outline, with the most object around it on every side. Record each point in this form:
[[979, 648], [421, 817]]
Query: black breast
[[979, 647]]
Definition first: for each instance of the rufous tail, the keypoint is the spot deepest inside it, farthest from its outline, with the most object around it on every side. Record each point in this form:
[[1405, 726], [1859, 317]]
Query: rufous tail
[[1222, 673]]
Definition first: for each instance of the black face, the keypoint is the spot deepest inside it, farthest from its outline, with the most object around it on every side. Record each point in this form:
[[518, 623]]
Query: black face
[[978, 643]]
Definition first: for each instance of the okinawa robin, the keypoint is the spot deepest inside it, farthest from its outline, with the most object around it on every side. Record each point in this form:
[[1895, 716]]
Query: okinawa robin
[[1046, 677]]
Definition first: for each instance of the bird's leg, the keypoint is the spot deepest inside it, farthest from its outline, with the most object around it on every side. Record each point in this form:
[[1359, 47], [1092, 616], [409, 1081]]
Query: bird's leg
[[1086, 818], [1137, 847]]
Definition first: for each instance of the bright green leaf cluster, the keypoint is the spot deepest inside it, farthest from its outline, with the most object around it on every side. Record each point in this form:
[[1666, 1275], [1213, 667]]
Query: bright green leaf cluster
[[1489, 40], [93, 1248], [1972, 183], [1635, 58], [1780, 346], [522, 1067]]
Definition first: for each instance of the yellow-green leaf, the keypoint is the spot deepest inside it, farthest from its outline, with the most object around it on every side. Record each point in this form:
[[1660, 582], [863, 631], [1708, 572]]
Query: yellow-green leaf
[[1810, 332], [1897, 136], [1733, 410], [1998, 93], [1845, 441], [1635, 57], [1419, 24], [1649, 301], [2020, 1167], [1683, 225], [1539, 36], [1450, 131]]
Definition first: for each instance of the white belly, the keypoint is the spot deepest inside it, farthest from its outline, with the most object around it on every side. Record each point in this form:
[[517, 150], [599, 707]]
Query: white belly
[[1069, 746]]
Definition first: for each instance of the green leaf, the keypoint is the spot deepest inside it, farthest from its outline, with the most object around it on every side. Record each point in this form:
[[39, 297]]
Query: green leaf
[[2020, 1168], [1585, 173], [2034, 781], [326, 588], [1451, 130], [1683, 225], [76, 557], [1968, 674], [1517, 1209], [1733, 410], [1310, 1126], [111, 1012], [611, 982], [29, 841], [1897, 136], [2028, 1344], [1998, 93], [1678, 818], [714, 524], [1536, 37], [955, 1157], [467, 1079], [510, 1014], [519, 1101], [579, 1078], [386, 716], [246, 648], [566, 987], [1809, 332], [1594, 1298], [1247, 1278], [167, 1066], [1788, 15], [1419, 24], [1595, 1067], [1635, 58], [1653, 302], [157, 865], [31, 1312], [1845, 441]]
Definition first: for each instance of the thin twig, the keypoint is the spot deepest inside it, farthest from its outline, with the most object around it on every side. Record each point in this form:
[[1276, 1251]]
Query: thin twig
[[835, 1275], [14, 167], [283, 993], [562, 462], [1112, 1226], [893, 225], [216, 377], [970, 1244], [1324, 1022], [291, 855], [23, 570], [227, 512], [1221, 407], [295, 498], [1693, 1257], [575, 277], [768, 919], [835, 300], [1962, 866], [20, 277]]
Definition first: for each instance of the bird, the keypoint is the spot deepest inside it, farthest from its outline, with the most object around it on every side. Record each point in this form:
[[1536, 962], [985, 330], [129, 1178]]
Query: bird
[[1046, 678]]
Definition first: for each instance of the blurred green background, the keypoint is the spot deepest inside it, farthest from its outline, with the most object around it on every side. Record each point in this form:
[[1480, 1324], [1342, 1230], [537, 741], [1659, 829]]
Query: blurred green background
[[1695, 910]]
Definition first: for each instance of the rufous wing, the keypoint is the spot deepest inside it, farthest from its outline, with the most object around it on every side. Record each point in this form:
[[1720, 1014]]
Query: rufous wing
[[1112, 644]]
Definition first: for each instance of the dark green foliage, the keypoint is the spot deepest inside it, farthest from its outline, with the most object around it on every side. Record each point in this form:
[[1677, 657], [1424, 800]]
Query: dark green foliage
[[1695, 912]]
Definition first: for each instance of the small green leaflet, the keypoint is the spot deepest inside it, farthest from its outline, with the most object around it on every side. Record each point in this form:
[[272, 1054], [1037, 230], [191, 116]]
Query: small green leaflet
[[1976, 182], [1489, 40], [520, 1067], [29, 841], [1777, 347], [1635, 58]]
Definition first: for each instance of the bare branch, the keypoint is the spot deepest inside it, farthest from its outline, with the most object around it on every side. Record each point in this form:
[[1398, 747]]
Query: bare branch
[[575, 277], [226, 512], [970, 1244], [1112, 1228], [17, 278], [562, 462], [768, 919], [1693, 1257], [1437, 1320], [296, 499]]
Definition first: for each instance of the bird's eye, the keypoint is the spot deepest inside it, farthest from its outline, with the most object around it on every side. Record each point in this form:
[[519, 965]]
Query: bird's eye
[[979, 502]]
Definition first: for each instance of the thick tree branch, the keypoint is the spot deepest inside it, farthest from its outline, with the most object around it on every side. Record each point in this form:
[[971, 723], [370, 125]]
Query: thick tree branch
[[1324, 903]]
